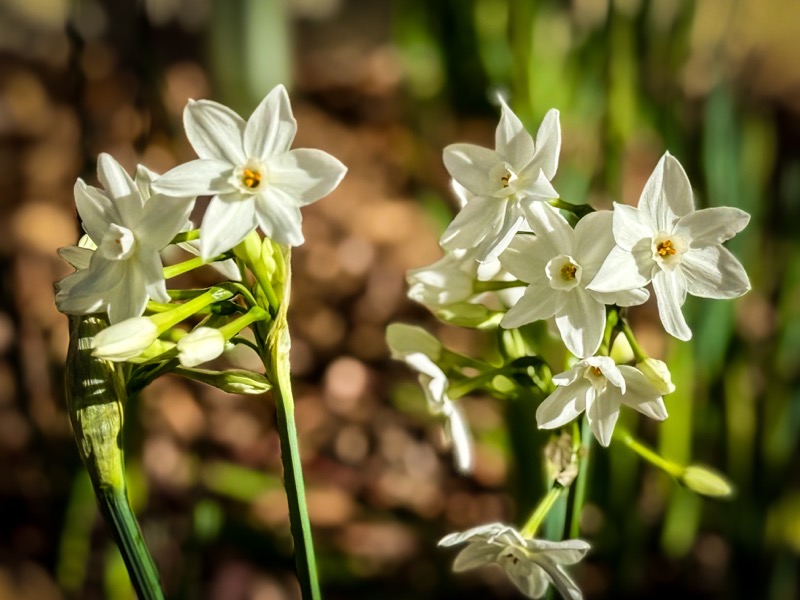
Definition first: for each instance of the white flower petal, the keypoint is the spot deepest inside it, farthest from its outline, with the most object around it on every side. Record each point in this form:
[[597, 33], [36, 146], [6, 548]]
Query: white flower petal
[[152, 272], [528, 577], [128, 298], [539, 302], [667, 195], [526, 258], [641, 395], [512, 141], [712, 226], [581, 321], [70, 303], [215, 131], [548, 144], [603, 414], [551, 228], [537, 186], [124, 340], [621, 271], [569, 377], [204, 176], [475, 555], [630, 226], [565, 404], [272, 127], [472, 223], [713, 272], [120, 188], [470, 165], [79, 258], [96, 210], [460, 436], [562, 582], [226, 223], [162, 219], [498, 239], [594, 240], [622, 298], [143, 178], [566, 552], [670, 289], [278, 217], [306, 175]]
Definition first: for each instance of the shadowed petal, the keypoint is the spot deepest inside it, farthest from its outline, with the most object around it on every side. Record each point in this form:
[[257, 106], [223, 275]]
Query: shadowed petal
[[565, 404], [548, 144], [306, 175], [581, 321], [670, 289], [227, 222], [713, 272], [667, 195], [470, 165], [712, 226], [512, 141], [278, 217]]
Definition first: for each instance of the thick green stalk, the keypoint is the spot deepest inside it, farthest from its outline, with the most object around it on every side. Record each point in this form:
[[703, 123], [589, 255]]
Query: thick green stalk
[[95, 397], [585, 437], [278, 345]]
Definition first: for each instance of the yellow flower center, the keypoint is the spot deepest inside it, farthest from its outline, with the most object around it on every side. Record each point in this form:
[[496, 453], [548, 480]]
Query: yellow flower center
[[568, 271], [251, 178], [596, 371], [666, 248], [505, 179]]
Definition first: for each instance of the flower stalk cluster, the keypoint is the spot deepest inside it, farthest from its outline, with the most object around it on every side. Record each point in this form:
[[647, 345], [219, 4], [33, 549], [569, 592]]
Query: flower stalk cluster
[[516, 255], [141, 330]]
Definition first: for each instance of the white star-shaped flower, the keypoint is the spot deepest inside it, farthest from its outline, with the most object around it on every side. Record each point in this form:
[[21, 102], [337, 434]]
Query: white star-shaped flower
[[129, 228], [557, 264], [666, 241], [531, 564], [599, 387], [418, 349], [255, 179], [501, 181]]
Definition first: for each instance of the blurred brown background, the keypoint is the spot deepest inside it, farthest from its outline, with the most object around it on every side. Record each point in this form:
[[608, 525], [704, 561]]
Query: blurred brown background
[[384, 86]]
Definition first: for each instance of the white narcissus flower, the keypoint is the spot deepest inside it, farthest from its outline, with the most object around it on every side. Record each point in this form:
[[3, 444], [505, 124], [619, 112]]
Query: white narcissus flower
[[666, 241], [124, 340], [557, 264], [200, 345], [501, 181], [450, 279], [418, 349], [256, 180], [129, 229], [599, 387], [531, 564]]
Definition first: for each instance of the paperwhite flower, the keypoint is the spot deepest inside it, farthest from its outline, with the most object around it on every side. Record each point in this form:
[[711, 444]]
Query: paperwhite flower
[[599, 387], [200, 345], [450, 279], [557, 264], [503, 181], [248, 167], [129, 229], [531, 564], [418, 349], [678, 248], [124, 340]]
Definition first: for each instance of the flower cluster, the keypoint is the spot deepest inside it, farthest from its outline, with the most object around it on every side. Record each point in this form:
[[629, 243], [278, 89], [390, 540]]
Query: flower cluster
[[255, 180], [516, 254]]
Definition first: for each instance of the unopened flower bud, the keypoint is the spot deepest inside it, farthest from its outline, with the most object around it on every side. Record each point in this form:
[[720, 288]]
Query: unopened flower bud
[[658, 374], [474, 316], [124, 340], [706, 481], [621, 350], [408, 339], [200, 345], [233, 381]]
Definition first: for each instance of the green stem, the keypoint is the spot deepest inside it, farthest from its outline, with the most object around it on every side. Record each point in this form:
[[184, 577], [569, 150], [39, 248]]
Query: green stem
[[638, 352], [186, 236], [292, 468], [95, 403], [649, 455], [541, 510], [119, 517], [183, 267], [493, 286], [585, 437], [579, 210]]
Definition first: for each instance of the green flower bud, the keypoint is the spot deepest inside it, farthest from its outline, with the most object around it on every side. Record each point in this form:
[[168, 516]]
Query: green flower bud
[[706, 481], [657, 374], [465, 314], [407, 339], [233, 381]]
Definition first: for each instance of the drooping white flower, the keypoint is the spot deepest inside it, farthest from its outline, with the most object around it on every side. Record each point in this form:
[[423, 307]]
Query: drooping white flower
[[450, 279], [256, 180], [418, 349], [200, 345], [666, 241], [531, 564], [124, 340], [129, 228], [557, 264], [502, 181], [599, 387]]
